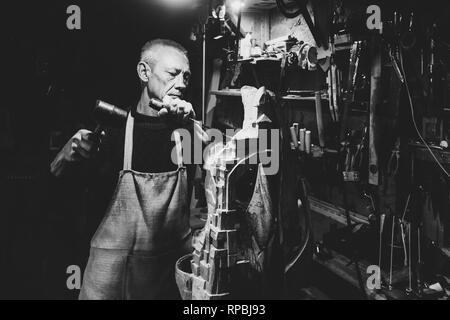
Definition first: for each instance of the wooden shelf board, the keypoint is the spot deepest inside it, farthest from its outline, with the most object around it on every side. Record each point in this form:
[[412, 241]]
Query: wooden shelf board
[[336, 213], [300, 98], [237, 93], [229, 92]]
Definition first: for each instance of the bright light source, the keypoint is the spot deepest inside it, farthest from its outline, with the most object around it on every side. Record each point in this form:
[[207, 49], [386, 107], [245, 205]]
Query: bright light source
[[237, 5], [178, 3], [219, 12]]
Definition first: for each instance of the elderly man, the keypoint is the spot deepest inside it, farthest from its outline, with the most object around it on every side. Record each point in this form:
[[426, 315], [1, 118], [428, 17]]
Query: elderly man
[[146, 225]]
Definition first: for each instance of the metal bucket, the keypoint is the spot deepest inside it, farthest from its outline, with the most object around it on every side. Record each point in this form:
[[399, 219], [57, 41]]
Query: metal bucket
[[183, 276]]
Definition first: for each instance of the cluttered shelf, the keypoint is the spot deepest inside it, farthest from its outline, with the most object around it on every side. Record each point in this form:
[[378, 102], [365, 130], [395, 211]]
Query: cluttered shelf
[[339, 264], [344, 267], [394, 285], [422, 153]]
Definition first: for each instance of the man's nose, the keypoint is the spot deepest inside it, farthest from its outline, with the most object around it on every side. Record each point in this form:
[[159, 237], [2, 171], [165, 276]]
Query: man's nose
[[180, 82]]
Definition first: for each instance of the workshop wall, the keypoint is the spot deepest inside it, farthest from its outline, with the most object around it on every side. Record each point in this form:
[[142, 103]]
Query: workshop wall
[[258, 23], [281, 26]]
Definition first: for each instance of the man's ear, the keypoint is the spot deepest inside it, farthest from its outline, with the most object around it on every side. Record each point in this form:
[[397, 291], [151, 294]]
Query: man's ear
[[143, 70]]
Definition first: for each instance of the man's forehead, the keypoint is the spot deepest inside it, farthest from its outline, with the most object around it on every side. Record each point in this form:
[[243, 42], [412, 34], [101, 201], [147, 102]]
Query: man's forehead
[[173, 57]]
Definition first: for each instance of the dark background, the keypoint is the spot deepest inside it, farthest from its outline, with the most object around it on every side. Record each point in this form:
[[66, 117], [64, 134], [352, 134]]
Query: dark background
[[51, 79]]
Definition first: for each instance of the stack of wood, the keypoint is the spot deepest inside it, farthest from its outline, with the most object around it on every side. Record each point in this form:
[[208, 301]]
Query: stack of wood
[[215, 250]]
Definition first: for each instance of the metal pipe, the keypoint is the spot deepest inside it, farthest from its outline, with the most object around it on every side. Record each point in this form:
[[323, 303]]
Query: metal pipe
[[204, 76], [238, 35]]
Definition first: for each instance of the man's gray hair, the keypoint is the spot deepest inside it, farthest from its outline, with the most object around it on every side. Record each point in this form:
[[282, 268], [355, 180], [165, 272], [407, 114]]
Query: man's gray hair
[[149, 52]]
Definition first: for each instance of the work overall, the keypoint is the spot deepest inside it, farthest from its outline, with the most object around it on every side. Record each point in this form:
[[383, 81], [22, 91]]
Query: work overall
[[145, 230]]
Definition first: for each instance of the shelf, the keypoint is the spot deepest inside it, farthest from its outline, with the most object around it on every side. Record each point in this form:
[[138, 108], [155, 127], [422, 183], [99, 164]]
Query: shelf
[[293, 97], [336, 213], [237, 93], [265, 59], [422, 153], [227, 93]]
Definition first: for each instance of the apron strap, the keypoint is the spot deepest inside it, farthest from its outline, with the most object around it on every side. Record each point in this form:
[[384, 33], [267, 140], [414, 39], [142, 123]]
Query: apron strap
[[178, 148], [128, 147]]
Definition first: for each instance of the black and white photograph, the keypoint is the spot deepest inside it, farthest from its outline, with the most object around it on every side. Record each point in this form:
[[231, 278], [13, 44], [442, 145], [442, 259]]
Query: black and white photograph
[[231, 152]]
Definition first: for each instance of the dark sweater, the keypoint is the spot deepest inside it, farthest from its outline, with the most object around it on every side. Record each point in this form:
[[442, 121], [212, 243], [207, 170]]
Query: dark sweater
[[152, 145]]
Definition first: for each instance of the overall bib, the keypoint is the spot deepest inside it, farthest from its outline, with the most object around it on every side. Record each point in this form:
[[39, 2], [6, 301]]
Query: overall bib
[[145, 230]]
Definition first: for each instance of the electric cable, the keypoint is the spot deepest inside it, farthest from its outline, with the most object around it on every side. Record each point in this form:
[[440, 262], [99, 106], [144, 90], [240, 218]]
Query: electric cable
[[307, 237], [414, 120]]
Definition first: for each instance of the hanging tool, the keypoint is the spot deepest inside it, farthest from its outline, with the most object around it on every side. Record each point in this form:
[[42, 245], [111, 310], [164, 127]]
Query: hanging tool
[[336, 93], [346, 156], [333, 84], [402, 230], [319, 118], [360, 150], [392, 252], [354, 155], [409, 289], [394, 160], [406, 225], [350, 172], [375, 100], [380, 245], [349, 94], [419, 262], [393, 53], [408, 39], [334, 116]]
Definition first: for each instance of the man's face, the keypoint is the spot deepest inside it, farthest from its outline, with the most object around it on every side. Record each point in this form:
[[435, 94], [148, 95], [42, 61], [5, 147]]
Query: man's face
[[169, 75]]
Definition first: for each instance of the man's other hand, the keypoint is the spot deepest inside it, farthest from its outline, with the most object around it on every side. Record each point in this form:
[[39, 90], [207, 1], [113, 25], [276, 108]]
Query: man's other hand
[[82, 146]]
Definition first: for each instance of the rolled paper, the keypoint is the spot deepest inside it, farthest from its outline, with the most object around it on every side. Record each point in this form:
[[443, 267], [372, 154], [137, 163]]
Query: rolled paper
[[295, 125], [308, 141], [302, 139], [294, 136]]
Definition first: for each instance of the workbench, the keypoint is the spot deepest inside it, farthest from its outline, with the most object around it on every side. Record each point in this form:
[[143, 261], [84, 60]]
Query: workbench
[[342, 266], [420, 152]]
